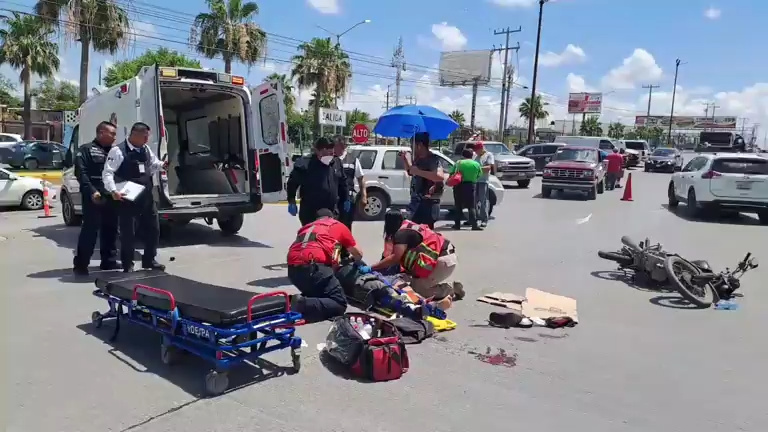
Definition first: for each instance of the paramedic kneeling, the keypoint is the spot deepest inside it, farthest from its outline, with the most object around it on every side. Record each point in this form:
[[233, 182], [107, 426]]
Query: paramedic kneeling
[[425, 255], [133, 161], [312, 258]]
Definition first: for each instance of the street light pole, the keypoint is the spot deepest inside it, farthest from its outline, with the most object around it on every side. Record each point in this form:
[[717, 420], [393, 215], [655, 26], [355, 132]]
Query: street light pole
[[672, 111], [532, 115], [339, 35]]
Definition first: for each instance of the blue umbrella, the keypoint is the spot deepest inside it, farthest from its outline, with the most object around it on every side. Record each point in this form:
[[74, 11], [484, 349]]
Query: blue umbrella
[[406, 120]]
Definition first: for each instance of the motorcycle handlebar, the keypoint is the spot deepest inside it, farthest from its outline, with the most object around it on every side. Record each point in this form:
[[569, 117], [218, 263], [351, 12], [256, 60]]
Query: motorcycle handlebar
[[628, 242]]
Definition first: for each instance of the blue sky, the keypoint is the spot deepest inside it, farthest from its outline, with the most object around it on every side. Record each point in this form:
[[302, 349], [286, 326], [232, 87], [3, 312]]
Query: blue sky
[[587, 45]]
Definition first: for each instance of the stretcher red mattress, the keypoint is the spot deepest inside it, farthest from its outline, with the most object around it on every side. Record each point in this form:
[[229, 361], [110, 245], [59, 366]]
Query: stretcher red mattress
[[213, 304]]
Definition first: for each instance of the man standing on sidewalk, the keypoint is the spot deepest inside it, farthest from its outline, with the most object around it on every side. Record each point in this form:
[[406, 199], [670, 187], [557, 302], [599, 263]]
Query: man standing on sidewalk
[[353, 172], [488, 163]]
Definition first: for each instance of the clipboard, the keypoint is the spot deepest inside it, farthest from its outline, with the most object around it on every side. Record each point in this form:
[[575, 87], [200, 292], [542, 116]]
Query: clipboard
[[129, 190]]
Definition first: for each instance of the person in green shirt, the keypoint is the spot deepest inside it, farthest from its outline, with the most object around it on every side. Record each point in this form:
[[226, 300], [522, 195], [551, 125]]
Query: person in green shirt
[[464, 192]]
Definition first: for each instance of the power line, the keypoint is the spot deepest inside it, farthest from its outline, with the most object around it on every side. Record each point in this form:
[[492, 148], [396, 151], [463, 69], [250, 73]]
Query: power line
[[507, 32]]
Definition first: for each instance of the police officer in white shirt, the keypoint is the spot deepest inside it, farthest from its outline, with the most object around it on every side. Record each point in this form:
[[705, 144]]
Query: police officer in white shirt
[[132, 161], [353, 171]]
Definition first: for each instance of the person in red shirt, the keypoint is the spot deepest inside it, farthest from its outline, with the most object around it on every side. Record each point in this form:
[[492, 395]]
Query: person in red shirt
[[615, 165], [312, 260]]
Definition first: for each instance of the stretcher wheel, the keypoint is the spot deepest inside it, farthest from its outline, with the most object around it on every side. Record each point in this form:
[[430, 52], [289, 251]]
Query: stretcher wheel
[[97, 319], [216, 383], [169, 354], [296, 359]]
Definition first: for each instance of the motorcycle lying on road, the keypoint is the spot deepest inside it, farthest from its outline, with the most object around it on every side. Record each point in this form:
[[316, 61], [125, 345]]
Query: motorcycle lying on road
[[694, 280]]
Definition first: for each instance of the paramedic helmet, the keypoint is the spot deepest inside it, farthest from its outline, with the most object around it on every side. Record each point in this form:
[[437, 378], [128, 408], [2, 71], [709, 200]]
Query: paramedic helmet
[[139, 134]]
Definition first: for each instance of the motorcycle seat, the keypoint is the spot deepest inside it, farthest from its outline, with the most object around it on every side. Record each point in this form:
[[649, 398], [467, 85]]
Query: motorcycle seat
[[702, 264]]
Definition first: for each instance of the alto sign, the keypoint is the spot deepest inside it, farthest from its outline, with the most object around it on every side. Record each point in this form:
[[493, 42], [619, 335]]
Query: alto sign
[[332, 117], [360, 134]]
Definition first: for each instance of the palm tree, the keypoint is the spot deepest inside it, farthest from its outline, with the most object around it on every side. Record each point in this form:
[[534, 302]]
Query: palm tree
[[287, 85], [26, 44], [616, 130], [357, 116], [324, 66], [458, 117], [228, 30], [537, 109], [101, 24], [591, 127]]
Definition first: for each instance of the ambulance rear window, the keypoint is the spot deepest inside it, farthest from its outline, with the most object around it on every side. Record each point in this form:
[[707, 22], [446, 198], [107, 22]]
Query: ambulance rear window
[[269, 109]]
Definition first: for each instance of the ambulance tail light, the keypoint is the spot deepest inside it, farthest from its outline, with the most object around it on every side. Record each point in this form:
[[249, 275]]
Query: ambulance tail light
[[169, 73], [238, 80], [282, 132]]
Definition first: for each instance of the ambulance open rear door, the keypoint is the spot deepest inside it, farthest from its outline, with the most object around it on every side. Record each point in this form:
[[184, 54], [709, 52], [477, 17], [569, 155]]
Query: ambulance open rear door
[[150, 111], [267, 152]]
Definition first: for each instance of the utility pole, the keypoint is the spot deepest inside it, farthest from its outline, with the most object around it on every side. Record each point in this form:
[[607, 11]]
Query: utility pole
[[650, 88], [532, 118], [388, 86], [398, 62], [706, 109], [678, 62], [475, 84], [714, 107], [510, 83], [504, 88]]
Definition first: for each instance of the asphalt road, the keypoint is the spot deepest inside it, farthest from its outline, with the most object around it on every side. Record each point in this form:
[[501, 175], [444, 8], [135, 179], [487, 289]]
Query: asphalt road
[[638, 361]]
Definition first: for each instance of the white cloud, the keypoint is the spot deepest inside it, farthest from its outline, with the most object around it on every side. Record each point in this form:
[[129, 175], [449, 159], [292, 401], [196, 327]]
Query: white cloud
[[514, 3], [144, 31], [328, 7], [713, 13], [572, 54], [638, 68], [450, 37], [577, 84]]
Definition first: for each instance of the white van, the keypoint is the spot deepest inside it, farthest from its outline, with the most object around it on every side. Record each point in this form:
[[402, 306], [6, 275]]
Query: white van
[[607, 144], [226, 148]]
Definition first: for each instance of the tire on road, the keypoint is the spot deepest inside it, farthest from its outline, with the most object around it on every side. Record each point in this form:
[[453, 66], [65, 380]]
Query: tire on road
[[524, 183], [671, 197], [617, 257], [32, 200], [375, 207], [232, 224], [68, 211], [546, 192], [681, 287]]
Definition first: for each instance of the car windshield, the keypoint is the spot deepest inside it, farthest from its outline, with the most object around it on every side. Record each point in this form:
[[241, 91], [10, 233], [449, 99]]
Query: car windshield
[[496, 148], [635, 145], [741, 166], [664, 152], [576, 155]]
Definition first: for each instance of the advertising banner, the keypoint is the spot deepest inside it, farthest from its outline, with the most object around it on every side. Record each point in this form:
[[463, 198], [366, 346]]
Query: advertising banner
[[585, 103], [687, 122]]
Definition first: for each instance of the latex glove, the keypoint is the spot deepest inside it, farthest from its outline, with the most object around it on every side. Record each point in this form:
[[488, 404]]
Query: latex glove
[[347, 206], [364, 269], [292, 209]]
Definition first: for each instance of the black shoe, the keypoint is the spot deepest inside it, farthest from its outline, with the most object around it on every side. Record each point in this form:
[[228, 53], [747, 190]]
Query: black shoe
[[128, 268], [80, 270], [110, 265], [154, 265], [476, 228], [457, 226], [467, 223]]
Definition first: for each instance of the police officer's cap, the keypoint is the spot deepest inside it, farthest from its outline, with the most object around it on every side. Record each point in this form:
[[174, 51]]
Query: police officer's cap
[[323, 143]]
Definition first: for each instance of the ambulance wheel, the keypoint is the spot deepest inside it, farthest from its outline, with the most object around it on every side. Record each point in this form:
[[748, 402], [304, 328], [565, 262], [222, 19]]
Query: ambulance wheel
[[169, 354], [216, 383], [231, 225], [296, 359], [97, 319]]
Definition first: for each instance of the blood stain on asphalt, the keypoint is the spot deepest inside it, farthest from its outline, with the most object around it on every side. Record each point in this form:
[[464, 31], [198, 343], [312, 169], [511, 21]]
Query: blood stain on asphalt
[[500, 358]]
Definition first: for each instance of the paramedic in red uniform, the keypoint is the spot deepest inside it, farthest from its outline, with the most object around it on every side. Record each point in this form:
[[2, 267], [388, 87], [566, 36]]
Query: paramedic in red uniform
[[312, 259], [615, 165], [425, 255]]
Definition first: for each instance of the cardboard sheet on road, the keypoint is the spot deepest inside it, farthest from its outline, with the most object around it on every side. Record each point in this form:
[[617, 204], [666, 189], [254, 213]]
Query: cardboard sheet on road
[[541, 304]]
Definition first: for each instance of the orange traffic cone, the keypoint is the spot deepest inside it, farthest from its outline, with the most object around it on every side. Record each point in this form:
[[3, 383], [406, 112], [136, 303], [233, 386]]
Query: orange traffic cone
[[46, 202], [628, 189]]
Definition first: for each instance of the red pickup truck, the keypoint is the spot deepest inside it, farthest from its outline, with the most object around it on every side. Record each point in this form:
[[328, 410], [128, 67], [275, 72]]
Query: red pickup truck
[[573, 168]]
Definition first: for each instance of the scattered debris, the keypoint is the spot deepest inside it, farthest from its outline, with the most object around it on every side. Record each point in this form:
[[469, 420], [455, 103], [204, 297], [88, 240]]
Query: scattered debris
[[501, 358]]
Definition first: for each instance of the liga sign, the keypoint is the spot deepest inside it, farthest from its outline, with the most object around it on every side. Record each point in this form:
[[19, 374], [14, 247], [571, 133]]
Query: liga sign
[[585, 103], [687, 122], [332, 117]]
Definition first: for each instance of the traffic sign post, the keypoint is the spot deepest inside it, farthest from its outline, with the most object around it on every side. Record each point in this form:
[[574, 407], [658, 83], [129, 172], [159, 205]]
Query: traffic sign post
[[360, 133]]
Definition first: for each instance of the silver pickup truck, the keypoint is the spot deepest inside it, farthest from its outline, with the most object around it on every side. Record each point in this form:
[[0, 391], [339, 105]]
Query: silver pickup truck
[[509, 166]]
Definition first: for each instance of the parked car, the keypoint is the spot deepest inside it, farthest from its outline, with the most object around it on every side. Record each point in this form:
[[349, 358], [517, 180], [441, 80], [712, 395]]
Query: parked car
[[574, 168], [33, 155], [664, 159], [540, 153], [388, 185], [8, 139], [729, 181], [641, 147], [24, 192], [509, 166], [631, 157]]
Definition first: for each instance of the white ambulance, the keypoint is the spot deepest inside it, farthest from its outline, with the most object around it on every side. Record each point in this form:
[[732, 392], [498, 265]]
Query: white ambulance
[[226, 148]]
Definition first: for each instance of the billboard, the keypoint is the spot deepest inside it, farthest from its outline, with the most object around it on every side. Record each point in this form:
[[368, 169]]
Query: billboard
[[460, 68], [332, 117], [585, 103], [687, 122]]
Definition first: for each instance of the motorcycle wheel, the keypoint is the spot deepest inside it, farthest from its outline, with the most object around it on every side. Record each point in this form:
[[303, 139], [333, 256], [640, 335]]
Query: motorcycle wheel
[[676, 268], [619, 257]]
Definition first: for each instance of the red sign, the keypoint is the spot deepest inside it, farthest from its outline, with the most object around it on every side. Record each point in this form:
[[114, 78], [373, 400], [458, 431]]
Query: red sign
[[360, 133]]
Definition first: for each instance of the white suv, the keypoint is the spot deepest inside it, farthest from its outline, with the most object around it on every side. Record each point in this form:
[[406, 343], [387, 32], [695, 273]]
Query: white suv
[[733, 181], [388, 185]]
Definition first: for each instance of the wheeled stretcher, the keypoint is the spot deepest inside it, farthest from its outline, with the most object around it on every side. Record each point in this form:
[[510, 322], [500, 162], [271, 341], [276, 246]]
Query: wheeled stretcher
[[224, 326]]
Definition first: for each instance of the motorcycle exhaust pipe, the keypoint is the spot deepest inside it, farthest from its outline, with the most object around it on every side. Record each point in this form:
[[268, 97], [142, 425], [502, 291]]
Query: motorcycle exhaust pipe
[[628, 242]]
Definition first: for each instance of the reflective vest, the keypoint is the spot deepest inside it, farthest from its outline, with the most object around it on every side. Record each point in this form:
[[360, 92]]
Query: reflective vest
[[348, 164], [421, 261], [315, 244]]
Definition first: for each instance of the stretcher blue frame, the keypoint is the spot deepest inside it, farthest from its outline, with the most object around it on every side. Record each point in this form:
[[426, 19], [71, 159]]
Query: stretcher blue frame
[[224, 347]]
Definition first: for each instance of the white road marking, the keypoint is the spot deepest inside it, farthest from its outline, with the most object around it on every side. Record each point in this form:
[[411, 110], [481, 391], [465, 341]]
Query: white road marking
[[584, 220]]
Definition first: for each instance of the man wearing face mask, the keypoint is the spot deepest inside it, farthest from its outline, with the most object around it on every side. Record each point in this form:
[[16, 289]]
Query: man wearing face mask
[[322, 182]]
